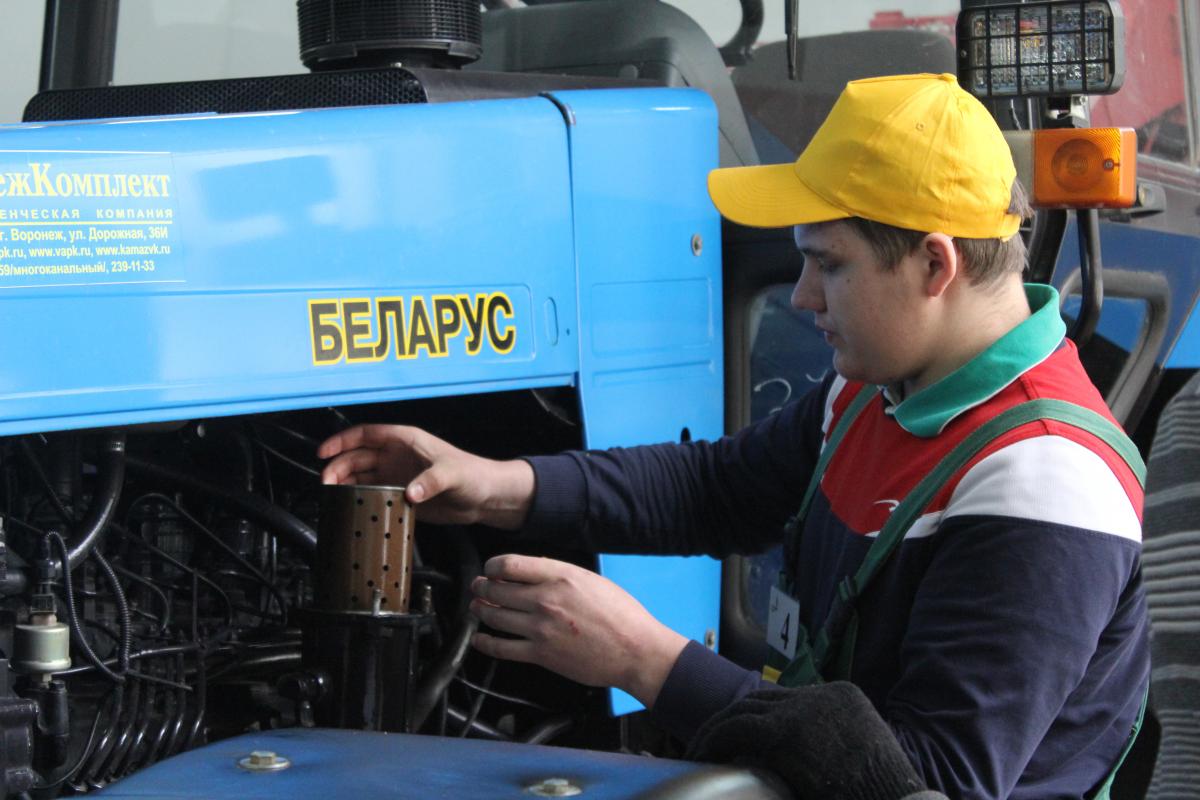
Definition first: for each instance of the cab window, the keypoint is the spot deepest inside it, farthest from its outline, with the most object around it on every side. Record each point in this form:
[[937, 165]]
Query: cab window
[[1154, 99]]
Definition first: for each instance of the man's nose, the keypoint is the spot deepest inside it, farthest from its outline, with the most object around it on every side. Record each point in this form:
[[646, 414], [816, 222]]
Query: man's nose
[[807, 294]]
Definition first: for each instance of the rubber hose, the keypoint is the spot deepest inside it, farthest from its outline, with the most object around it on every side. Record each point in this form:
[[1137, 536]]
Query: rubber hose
[[110, 477], [270, 516], [442, 673]]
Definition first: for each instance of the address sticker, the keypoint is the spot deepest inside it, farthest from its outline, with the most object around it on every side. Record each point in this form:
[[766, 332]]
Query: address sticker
[[81, 219]]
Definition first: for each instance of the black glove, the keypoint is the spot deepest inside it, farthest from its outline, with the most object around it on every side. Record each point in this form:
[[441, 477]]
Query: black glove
[[826, 741]]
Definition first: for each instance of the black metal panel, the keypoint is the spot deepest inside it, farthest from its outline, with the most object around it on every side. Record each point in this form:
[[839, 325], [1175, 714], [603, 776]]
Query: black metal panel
[[77, 43], [289, 92]]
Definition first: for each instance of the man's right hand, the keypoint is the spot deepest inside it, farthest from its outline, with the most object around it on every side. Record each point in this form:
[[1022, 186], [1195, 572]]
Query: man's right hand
[[450, 485]]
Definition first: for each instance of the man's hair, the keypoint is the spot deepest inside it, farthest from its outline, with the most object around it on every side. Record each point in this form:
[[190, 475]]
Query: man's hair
[[985, 261]]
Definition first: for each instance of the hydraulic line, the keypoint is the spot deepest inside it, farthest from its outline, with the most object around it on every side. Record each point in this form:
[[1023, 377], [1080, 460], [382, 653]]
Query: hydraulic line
[[1087, 223], [110, 476], [548, 730], [481, 729], [433, 686], [72, 616], [294, 531]]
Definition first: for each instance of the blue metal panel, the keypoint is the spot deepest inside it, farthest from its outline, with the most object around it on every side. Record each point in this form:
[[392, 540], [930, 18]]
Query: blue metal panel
[[220, 230], [649, 306], [327, 764], [1122, 321], [1132, 249], [1186, 354]]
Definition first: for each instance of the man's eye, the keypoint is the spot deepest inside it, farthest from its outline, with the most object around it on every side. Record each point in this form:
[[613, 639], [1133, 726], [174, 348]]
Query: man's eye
[[826, 266]]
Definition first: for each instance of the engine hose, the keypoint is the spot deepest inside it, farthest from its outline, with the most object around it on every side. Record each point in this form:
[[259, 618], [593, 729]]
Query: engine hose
[[550, 729], [201, 704], [110, 476], [293, 530], [435, 682], [155, 750], [122, 612], [481, 729], [181, 707], [105, 771], [131, 760], [85, 776], [73, 618]]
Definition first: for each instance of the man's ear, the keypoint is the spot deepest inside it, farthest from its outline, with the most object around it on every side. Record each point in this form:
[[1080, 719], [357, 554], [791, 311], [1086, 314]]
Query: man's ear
[[940, 262]]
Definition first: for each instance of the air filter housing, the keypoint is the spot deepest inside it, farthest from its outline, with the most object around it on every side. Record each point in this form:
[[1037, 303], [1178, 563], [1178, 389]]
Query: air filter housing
[[351, 34]]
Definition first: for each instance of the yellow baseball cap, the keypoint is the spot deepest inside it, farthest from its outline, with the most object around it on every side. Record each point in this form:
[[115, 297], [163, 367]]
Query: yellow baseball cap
[[913, 151]]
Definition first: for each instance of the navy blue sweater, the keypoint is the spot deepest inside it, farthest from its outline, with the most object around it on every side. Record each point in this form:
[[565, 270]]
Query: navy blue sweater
[[1005, 643]]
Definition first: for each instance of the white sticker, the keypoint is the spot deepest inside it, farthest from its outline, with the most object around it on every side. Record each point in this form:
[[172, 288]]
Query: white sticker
[[783, 622]]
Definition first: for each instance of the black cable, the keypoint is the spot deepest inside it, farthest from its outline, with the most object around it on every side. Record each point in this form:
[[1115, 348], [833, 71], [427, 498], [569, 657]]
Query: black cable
[[110, 477], [130, 762], [180, 713], [482, 729], [548, 730], [274, 661], [126, 642], [156, 744], [500, 695], [220, 543], [291, 462], [1091, 276], [433, 686], [159, 593], [156, 652], [120, 529], [106, 742], [35, 467], [104, 771], [201, 702], [342, 418], [309, 442], [86, 752], [256, 508], [73, 618], [477, 706]]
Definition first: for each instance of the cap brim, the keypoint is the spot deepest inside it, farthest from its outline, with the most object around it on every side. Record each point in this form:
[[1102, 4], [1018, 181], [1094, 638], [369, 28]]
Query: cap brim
[[768, 197]]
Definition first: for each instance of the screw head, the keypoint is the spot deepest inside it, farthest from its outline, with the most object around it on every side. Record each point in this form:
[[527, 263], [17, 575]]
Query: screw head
[[697, 244], [554, 787], [264, 761]]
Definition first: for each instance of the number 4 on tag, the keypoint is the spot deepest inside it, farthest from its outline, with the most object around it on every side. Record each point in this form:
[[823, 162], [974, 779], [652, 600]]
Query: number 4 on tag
[[783, 622]]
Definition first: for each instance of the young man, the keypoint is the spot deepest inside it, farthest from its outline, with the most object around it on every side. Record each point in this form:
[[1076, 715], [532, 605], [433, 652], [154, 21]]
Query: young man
[[1002, 644]]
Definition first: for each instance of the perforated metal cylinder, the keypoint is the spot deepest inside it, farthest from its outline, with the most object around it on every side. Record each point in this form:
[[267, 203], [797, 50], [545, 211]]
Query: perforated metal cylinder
[[364, 550]]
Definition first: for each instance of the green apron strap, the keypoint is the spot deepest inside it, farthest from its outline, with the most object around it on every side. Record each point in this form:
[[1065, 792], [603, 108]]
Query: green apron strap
[[1103, 792], [914, 504], [792, 529], [830, 642]]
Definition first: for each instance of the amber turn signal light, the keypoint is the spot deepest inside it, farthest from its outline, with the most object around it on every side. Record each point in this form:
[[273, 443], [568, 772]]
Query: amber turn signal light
[[1077, 167]]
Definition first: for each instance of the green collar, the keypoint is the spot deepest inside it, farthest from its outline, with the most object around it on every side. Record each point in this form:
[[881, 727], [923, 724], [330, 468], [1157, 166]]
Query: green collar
[[928, 411]]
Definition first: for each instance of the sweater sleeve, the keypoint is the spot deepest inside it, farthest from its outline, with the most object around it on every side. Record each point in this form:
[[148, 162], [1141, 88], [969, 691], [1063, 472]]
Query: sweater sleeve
[[986, 671], [715, 498], [701, 684]]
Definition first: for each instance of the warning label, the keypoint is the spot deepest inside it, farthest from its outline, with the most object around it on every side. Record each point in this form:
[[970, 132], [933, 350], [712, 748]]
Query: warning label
[[69, 219]]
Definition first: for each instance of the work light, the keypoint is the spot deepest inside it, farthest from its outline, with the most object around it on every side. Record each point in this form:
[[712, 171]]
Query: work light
[[1052, 47]]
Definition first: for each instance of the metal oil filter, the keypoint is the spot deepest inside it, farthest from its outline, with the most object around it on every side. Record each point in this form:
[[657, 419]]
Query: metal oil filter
[[364, 549]]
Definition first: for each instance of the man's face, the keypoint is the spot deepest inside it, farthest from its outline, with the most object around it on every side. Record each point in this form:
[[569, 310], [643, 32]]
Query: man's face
[[870, 315]]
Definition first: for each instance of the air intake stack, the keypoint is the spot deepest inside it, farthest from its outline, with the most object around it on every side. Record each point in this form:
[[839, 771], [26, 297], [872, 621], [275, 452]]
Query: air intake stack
[[359, 34]]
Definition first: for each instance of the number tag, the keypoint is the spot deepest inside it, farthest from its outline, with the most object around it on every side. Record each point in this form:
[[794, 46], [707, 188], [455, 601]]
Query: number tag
[[783, 622]]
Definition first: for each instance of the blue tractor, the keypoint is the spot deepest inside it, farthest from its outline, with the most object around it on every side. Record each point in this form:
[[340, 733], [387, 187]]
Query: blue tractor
[[492, 224]]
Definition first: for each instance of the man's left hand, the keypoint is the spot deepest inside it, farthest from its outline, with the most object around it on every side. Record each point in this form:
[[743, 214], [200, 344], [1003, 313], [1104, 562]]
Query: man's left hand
[[573, 622]]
